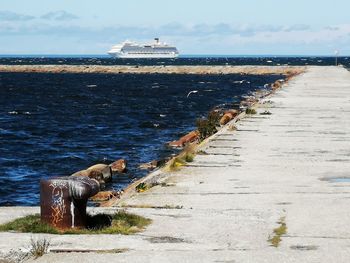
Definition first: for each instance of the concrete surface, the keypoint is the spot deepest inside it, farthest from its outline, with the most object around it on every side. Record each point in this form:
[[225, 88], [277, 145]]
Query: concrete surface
[[224, 206]]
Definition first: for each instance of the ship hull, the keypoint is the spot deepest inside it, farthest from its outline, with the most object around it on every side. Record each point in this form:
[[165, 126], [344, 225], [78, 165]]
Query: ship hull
[[128, 55]]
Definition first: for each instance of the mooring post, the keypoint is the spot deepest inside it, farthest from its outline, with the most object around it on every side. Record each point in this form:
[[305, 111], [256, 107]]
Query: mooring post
[[63, 200]]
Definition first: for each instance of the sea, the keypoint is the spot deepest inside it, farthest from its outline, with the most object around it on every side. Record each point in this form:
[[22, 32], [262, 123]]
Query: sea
[[57, 124]]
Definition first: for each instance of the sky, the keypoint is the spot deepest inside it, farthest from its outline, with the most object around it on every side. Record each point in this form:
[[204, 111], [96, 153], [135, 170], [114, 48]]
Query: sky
[[221, 27]]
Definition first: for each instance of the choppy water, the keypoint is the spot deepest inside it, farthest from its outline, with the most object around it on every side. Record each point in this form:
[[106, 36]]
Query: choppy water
[[57, 124], [189, 60]]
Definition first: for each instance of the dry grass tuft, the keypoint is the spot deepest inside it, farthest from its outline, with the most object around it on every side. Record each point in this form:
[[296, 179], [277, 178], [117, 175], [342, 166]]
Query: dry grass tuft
[[278, 232], [250, 111], [186, 156], [39, 247]]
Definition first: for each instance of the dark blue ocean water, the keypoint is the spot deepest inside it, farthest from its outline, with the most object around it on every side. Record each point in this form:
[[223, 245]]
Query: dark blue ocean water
[[57, 124], [183, 60]]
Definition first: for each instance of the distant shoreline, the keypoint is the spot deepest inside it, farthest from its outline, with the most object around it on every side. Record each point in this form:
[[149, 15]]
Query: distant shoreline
[[122, 69]]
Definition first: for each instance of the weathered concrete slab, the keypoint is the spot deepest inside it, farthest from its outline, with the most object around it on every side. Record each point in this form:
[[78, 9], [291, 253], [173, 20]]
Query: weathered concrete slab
[[225, 205]]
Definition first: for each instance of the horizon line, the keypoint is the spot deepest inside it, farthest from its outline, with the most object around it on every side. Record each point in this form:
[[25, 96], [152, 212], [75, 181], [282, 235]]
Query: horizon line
[[180, 56]]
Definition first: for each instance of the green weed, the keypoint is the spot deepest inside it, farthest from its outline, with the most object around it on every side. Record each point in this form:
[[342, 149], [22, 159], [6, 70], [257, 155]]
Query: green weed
[[119, 223]]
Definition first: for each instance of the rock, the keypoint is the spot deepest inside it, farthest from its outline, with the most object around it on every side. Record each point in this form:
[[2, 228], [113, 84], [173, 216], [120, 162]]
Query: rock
[[81, 173], [188, 138], [228, 116], [103, 172], [148, 166], [152, 165], [94, 174], [118, 166], [111, 202], [104, 196], [276, 85], [104, 169]]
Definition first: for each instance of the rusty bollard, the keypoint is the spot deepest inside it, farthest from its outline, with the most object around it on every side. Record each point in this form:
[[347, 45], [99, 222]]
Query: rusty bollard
[[63, 200]]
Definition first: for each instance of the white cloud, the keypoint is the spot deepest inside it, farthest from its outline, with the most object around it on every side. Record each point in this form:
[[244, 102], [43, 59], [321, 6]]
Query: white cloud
[[11, 16], [59, 16], [8, 16], [297, 27]]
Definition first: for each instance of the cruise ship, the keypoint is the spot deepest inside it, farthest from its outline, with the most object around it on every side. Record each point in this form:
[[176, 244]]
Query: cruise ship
[[129, 49]]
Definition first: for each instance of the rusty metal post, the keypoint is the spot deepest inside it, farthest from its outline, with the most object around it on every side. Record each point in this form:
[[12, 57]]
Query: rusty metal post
[[63, 200]]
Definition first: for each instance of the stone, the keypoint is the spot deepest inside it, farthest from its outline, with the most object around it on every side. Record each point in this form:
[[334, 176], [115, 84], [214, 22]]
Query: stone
[[104, 196], [276, 85], [104, 169], [81, 173], [94, 174], [118, 166], [228, 116], [148, 166], [63, 200], [191, 137], [152, 165]]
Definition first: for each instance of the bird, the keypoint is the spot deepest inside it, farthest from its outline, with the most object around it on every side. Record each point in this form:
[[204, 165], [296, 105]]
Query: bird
[[192, 91]]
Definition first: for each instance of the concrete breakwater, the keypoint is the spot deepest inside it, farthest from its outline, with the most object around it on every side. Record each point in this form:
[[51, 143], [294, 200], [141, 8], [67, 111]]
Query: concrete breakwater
[[117, 69]]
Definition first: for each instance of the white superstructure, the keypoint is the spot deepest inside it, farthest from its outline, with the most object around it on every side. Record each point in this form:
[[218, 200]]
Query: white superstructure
[[129, 49]]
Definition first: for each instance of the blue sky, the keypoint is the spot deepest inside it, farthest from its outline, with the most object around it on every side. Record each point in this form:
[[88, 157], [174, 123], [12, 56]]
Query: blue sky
[[236, 27]]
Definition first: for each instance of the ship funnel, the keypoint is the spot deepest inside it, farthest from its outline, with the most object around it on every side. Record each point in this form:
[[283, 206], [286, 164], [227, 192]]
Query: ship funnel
[[157, 40]]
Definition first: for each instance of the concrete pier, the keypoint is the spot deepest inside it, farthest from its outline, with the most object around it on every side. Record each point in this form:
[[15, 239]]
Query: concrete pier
[[291, 166]]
